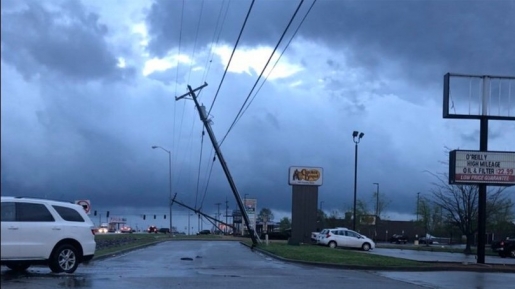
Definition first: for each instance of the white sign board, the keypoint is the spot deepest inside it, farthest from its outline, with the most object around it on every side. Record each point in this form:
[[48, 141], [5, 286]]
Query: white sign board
[[476, 167], [307, 176], [117, 220], [86, 204]]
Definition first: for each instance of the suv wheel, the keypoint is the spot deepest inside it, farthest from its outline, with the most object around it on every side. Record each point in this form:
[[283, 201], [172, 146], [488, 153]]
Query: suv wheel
[[332, 244], [65, 259], [18, 267], [366, 247]]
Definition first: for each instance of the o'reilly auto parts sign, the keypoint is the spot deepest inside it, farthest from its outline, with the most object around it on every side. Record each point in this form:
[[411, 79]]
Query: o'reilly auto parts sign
[[477, 167]]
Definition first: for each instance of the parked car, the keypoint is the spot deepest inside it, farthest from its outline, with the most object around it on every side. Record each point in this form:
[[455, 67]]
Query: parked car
[[317, 236], [426, 240], [45, 232], [152, 229], [283, 235], [314, 236], [164, 230], [346, 238], [505, 248], [399, 239], [204, 232]]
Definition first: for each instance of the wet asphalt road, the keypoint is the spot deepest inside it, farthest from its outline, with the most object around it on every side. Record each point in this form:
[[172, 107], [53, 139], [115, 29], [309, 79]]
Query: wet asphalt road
[[229, 264]]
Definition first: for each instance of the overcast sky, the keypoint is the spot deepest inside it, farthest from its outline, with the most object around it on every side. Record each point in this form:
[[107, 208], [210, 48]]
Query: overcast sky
[[88, 87]]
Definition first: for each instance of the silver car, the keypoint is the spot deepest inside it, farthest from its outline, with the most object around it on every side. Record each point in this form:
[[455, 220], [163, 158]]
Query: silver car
[[346, 238]]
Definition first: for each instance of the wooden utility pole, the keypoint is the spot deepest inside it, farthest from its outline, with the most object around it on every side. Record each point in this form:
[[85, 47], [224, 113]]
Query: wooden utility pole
[[207, 125]]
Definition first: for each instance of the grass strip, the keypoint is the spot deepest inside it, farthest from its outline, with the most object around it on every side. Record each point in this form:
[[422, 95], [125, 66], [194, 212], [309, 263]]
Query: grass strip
[[313, 253], [112, 243]]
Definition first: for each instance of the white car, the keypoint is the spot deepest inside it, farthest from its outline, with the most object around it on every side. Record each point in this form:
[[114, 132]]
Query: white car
[[343, 237], [45, 232], [315, 236]]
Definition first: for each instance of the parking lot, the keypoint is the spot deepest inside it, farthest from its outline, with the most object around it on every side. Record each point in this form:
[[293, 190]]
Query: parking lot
[[440, 256], [403, 251]]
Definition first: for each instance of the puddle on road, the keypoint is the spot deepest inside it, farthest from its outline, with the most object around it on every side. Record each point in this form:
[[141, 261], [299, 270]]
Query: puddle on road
[[75, 282]]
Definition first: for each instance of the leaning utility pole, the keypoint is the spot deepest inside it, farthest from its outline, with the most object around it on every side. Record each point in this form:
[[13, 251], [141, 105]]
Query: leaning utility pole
[[207, 125]]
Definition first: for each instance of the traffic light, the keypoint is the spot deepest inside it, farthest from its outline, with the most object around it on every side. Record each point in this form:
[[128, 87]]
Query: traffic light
[[144, 217], [95, 213], [165, 217], [154, 217], [107, 215]]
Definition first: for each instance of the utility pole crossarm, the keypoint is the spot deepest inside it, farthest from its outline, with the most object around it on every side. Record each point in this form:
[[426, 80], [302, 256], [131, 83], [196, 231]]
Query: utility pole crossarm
[[189, 93]]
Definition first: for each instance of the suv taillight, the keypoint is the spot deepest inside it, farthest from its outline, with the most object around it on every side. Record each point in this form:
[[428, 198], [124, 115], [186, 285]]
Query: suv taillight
[[93, 231]]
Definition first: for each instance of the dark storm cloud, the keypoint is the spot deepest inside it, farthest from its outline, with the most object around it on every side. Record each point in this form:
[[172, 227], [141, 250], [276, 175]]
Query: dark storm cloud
[[165, 25], [92, 140], [425, 38], [71, 41]]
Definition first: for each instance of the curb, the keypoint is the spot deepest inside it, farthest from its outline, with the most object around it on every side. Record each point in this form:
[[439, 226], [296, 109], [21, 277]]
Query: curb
[[444, 265]]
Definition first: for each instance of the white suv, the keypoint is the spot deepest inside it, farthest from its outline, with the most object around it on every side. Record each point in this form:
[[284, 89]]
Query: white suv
[[44, 232], [342, 237]]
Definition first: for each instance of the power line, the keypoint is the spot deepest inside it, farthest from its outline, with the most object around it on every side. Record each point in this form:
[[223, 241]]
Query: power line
[[196, 38], [189, 147], [209, 168], [179, 52], [277, 61], [211, 53], [176, 83], [208, 179], [199, 165], [259, 89], [261, 74], [232, 54]]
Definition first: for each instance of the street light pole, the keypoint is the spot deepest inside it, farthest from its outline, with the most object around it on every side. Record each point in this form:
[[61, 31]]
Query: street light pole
[[245, 208], [418, 204], [356, 136], [189, 215], [377, 210], [170, 202], [377, 199]]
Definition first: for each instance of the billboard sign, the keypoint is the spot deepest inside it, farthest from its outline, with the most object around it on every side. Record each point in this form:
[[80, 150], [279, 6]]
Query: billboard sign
[[117, 220], [367, 220], [306, 176], [477, 167], [250, 206]]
